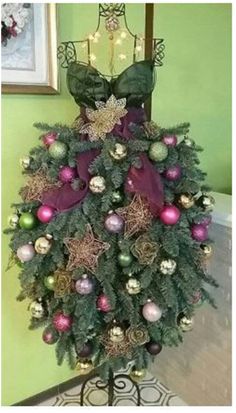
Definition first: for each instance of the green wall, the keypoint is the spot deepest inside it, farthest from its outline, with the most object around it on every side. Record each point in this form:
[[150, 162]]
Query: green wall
[[193, 85]]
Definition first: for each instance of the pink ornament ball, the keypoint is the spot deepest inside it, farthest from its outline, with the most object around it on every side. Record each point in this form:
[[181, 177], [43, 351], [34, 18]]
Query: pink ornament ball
[[50, 138], [25, 252], [170, 140], [84, 286], [103, 303], [62, 322], [50, 335], [45, 214], [170, 215], [151, 312], [206, 221], [199, 232], [114, 223], [67, 174], [173, 173]]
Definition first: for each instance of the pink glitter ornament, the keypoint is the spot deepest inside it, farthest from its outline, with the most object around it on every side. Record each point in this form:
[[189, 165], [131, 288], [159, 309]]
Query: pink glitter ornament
[[103, 303], [170, 140], [199, 232], [49, 138], [67, 174], [62, 322], [173, 173]]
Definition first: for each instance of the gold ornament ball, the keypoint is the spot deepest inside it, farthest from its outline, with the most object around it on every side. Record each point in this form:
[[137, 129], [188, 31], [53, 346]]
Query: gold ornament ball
[[36, 309], [42, 245], [119, 152], [186, 201], [13, 221], [133, 286], [185, 323], [116, 334], [137, 375], [207, 250], [97, 184], [84, 367], [25, 162]]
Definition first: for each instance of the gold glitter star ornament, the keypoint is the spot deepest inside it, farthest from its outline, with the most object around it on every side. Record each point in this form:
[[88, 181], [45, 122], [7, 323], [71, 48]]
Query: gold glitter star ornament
[[85, 252], [103, 119]]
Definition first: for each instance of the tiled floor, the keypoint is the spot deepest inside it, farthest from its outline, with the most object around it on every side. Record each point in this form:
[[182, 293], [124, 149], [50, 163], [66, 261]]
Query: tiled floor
[[153, 393], [199, 371]]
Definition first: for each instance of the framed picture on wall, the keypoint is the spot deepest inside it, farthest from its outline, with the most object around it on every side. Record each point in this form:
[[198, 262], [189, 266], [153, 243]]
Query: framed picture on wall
[[29, 48]]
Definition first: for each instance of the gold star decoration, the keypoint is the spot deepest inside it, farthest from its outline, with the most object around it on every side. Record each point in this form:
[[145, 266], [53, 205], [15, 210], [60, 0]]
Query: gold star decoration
[[104, 118], [137, 216], [85, 252], [37, 183]]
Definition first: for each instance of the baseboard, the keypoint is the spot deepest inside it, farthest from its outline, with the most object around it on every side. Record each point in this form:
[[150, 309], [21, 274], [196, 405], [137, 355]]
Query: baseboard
[[53, 391]]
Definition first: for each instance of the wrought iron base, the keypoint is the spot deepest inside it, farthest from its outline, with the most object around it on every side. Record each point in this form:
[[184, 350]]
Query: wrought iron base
[[112, 384]]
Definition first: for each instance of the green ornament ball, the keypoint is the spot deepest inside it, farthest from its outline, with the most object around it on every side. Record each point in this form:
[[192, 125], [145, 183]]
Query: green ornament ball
[[124, 259], [27, 220], [158, 151], [58, 150], [116, 197], [49, 282]]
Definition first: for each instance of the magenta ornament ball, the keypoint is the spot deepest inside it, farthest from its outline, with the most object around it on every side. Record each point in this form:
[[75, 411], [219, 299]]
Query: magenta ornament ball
[[45, 214], [50, 335], [170, 215], [84, 286], [199, 232], [50, 138], [62, 322], [114, 223], [67, 174], [25, 252], [103, 303], [151, 312], [170, 140], [173, 173]]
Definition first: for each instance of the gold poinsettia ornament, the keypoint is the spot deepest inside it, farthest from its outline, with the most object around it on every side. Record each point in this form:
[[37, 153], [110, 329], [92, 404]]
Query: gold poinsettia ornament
[[103, 119]]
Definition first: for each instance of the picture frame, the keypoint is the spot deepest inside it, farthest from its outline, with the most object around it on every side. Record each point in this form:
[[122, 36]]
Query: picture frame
[[40, 72]]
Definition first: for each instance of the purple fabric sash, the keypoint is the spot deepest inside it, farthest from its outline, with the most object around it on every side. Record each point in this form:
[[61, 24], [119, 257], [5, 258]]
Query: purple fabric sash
[[145, 181]]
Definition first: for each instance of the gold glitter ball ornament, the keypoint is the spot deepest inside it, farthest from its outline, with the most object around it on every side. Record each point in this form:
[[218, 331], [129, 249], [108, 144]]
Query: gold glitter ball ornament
[[36, 310], [25, 162], [84, 367], [185, 323], [42, 245], [133, 286], [186, 201], [97, 184], [116, 334], [167, 267], [137, 375], [104, 118], [119, 152], [13, 221], [207, 250]]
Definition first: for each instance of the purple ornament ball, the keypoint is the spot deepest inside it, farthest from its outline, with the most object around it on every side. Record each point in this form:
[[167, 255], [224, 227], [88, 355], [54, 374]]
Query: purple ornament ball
[[86, 350], [170, 140], [173, 173], [45, 214], [67, 174], [153, 348], [151, 312], [199, 232], [170, 215], [62, 322], [50, 335], [50, 138], [84, 285], [25, 252], [114, 223]]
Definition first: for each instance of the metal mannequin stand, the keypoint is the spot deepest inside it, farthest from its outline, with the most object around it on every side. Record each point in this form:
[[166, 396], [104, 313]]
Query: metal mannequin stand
[[114, 382]]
